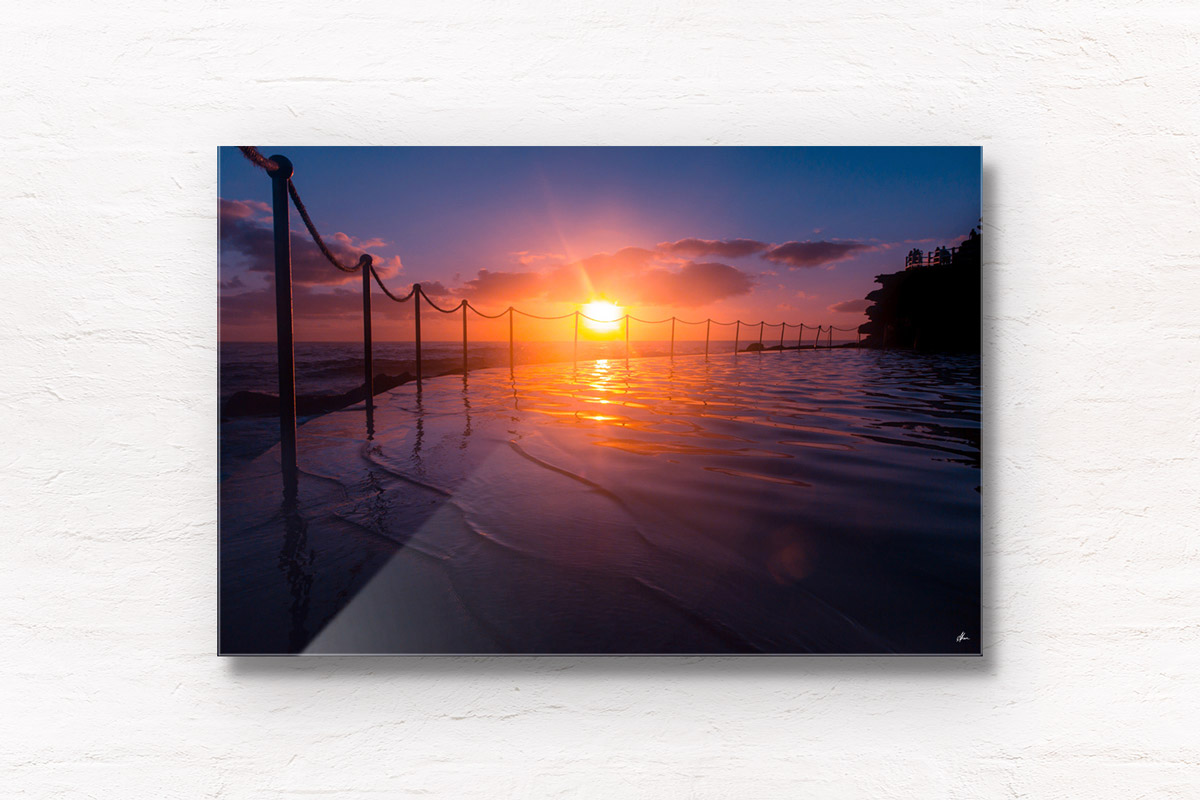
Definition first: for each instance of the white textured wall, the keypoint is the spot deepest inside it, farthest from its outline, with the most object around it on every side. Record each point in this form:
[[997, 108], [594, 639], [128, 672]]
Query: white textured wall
[[111, 115]]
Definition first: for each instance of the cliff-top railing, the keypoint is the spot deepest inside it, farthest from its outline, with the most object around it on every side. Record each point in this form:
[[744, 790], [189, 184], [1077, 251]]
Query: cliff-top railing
[[280, 170]]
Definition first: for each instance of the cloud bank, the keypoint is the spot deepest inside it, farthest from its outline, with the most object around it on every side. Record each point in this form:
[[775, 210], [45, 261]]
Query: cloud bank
[[725, 248], [247, 239], [631, 275], [851, 306], [804, 255]]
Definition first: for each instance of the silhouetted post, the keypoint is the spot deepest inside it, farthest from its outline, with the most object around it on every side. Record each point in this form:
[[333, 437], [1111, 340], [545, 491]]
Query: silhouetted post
[[576, 356], [672, 338], [368, 367], [737, 335], [464, 308], [761, 323], [707, 331], [283, 325], [782, 330], [627, 340], [800, 338], [417, 317], [511, 362]]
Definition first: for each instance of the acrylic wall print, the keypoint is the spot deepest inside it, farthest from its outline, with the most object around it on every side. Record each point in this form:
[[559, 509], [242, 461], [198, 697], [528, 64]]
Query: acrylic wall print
[[600, 400]]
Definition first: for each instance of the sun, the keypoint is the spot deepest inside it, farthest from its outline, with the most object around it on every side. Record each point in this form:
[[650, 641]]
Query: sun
[[601, 316]]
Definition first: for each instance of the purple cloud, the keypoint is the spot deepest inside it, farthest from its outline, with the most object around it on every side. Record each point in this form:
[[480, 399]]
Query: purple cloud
[[726, 248], [799, 255], [246, 236], [630, 275], [851, 306], [489, 286]]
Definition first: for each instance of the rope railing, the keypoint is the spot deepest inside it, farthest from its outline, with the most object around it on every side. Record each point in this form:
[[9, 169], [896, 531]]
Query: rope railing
[[386, 291], [489, 316], [539, 316], [436, 307], [280, 170], [271, 166], [821, 332]]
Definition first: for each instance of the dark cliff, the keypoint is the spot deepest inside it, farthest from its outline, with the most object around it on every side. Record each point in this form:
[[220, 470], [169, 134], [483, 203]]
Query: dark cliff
[[929, 308]]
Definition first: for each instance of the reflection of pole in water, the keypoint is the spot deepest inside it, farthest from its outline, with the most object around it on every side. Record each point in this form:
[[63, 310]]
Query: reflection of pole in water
[[296, 561], [466, 413], [419, 436]]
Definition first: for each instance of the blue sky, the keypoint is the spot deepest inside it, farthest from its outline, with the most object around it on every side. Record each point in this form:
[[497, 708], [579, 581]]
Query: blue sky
[[648, 228]]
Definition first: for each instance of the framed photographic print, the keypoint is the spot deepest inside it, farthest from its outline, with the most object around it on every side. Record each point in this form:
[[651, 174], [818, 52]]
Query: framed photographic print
[[560, 400]]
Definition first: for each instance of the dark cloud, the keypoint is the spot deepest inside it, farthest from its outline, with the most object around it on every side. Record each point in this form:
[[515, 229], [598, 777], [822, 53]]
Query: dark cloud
[[726, 248], [813, 254], [246, 236], [851, 306], [502, 287], [434, 289]]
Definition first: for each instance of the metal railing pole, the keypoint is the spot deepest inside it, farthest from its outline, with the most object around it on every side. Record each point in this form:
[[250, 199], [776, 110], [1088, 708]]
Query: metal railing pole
[[283, 325], [737, 336], [707, 331], [761, 323], [575, 357], [368, 366], [782, 331], [817, 341], [626, 340], [800, 338], [511, 362], [417, 317], [672, 338], [464, 309]]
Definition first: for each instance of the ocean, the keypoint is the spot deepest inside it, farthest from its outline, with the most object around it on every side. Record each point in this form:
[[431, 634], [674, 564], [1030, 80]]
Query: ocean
[[812, 501], [331, 368]]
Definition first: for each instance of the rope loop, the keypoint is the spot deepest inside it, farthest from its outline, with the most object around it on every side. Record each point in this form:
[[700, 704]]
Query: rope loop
[[436, 307], [388, 292]]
